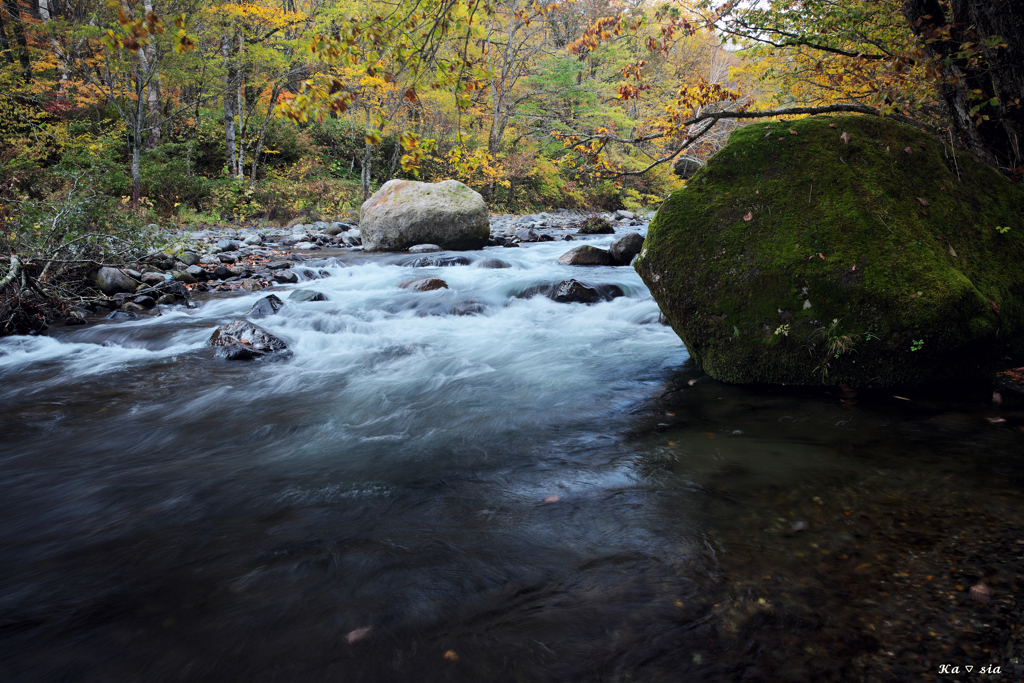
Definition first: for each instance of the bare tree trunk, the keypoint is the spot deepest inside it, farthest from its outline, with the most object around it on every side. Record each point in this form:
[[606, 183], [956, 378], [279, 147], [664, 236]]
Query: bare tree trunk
[[364, 176], [18, 29], [5, 47], [240, 170], [152, 90], [997, 75], [263, 132], [230, 93]]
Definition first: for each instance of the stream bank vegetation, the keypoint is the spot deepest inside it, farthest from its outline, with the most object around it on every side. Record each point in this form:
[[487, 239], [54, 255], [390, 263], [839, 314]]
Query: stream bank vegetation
[[172, 112]]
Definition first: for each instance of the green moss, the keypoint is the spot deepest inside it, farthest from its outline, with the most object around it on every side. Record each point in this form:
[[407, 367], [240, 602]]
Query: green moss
[[841, 225]]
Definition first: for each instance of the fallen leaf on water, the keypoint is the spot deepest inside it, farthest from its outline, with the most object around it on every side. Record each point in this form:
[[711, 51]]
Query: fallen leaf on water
[[924, 202], [358, 634], [749, 216], [552, 499], [845, 137], [792, 132], [981, 593], [901, 398], [995, 420], [451, 656], [908, 150]]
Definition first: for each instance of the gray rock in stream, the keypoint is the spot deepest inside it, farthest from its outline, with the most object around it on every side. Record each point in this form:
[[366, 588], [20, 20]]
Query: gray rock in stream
[[586, 255], [268, 305], [626, 247], [306, 295], [243, 340]]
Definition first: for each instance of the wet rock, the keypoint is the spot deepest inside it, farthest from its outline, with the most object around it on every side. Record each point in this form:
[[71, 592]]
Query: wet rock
[[184, 276], [144, 301], [306, 295], [622, 214], [209, 260], [243, 340], [189, 259], [596, 225], [625, 248], [222, 272], [122, 315], [493, 263], [510, 244], [114, 281], [423, 248], [574, 291], [131, 306], [352, 240], [167, 300], [527, 235], [440, 262], [426, 284], [227, 245], [586, 255], [285, 277], [468, 308], [305, 246], [198, 273], [152, 278], [253, 240], [403, 213], [74, 320], [279, 265], [227, 258], [268, 305], [251, 285]]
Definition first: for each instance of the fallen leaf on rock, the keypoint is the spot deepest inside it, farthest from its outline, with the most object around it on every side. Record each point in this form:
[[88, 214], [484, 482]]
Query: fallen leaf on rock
[[831, 125], [854, 266], [887, 148], [782, 138], [792, 132], [692, 382], [845, 137], [995, 420], [981, 593], [919, 144], [768, 126], [901, 398], [552, 499], [994, 306], [749, 216], [924, 202], [841, 159], [908, 150], [451, 656], [821, 256], [997, 398], [358, 634], [952, 253]]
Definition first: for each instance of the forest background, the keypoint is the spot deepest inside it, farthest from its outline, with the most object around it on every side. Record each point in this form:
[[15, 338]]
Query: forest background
[[117, 115]]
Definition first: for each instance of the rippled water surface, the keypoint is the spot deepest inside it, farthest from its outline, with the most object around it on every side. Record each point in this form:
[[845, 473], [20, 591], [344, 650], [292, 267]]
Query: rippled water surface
[[535, 492]]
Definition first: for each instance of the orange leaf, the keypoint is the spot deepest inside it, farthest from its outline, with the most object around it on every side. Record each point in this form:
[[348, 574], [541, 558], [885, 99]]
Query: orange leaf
[[451, 656], [410, 94]]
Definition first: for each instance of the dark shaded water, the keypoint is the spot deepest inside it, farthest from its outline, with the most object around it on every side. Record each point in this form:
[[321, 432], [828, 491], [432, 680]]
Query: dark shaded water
[[543, 492]]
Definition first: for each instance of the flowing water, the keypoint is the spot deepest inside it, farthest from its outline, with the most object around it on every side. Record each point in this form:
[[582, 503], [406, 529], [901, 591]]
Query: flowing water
[[534, 491]]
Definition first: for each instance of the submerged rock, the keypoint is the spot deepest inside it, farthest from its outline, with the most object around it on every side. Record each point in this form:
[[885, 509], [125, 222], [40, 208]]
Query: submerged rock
[[574, 291], [403, 213], [855, 251], [585, 255], [243, 340], [493, 263], [426, 284], [307, 295]]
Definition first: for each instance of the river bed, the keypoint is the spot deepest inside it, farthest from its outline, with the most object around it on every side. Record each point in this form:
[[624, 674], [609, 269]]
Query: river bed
[[533, 491]]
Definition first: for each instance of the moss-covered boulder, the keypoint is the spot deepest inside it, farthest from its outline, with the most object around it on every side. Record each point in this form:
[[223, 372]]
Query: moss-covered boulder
[[842, 250]]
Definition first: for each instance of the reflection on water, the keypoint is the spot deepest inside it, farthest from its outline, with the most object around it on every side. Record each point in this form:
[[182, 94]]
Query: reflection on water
[[539, 492]]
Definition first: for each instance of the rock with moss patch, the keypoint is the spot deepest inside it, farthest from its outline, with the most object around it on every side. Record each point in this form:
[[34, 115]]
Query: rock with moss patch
[[870, 259], [595, 225], [404, 213], [114, 281]]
